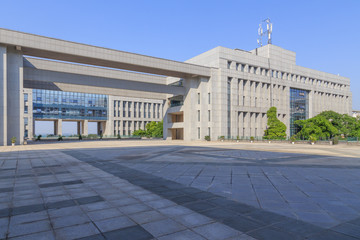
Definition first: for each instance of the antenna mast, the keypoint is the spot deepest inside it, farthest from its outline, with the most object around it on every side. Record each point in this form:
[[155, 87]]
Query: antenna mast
[[268, 31]]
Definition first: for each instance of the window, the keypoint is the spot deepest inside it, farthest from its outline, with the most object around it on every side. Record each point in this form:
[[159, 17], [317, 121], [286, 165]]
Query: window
[[25, 109], [237, 66], [198, 98], [209, 98], [209, 115], [209, 131], [198, 133], [26, 97], [228, 64], [198, 115]]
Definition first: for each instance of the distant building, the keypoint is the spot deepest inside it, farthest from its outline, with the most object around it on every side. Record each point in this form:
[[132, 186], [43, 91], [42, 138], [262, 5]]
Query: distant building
[[356, 113]]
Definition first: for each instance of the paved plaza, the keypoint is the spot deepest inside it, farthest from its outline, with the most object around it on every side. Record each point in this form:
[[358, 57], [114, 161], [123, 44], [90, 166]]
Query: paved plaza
[[179, 190]]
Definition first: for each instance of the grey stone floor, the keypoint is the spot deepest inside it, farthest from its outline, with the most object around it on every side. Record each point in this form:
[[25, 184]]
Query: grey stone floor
[[177, 192]]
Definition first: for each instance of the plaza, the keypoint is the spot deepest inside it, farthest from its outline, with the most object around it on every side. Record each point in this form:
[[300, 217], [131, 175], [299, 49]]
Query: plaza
[[179, 190]]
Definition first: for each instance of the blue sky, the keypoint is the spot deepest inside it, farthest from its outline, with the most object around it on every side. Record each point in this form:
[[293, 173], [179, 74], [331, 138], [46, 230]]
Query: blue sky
[[323, 33]]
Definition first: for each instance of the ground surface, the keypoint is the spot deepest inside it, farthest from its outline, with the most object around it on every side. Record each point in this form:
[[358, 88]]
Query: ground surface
[[179, 190]]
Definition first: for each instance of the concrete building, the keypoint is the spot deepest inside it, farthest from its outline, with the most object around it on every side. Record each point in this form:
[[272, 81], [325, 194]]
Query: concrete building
[[222, 92]]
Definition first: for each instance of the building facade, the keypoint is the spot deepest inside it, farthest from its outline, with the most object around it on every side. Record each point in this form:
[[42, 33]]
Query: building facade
[[244, 84], [222, 92]]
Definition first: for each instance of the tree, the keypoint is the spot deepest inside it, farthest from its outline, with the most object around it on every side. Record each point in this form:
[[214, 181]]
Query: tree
[[329, 124], [318, 127], [275, 128], [152, 129]]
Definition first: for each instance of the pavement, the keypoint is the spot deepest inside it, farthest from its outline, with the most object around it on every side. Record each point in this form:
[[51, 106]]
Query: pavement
[[179, 190]]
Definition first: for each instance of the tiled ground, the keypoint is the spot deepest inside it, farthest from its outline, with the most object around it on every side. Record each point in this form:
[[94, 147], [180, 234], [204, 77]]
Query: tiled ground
[[177, 192]]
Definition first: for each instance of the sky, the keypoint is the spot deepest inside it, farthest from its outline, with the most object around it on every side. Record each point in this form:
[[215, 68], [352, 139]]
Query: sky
[[323, 33]]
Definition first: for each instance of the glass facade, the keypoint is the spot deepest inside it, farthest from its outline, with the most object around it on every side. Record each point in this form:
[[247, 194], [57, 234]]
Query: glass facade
[[299, 108], [48, 104]]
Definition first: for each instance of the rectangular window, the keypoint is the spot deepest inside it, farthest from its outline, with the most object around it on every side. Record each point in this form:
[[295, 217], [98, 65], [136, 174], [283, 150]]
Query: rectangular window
[[25, 109], [198, 115], [228, 64], [209, 115], [209, 131], [26, 97], [198, 98], [198, 133], [209, 98]]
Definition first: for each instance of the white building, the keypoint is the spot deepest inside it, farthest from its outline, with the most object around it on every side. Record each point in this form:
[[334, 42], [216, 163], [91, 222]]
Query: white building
[[222, 92]]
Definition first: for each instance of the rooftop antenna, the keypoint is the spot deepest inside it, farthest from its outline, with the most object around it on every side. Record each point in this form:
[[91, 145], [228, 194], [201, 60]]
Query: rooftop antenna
[[268, 31]]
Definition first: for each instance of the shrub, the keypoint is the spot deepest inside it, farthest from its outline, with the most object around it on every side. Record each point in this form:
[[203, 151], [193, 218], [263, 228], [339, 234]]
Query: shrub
[[252, 138], [312, 138], [293, 139], [335, 140], [80, 137], [38, 137], [222, 138], [60, 138], [118, 136], [13, 139], [207, 138], [237, 138]]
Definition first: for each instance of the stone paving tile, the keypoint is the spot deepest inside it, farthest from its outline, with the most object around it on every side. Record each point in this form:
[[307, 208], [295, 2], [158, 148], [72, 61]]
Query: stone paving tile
[[110, 224], [104, 214], [193, 220], [78, 231], [130, 233], [135, 208], [183, 235], [216, 231], [163, 227], [28, 228], [71, 220], [145, 217], [49, 235]]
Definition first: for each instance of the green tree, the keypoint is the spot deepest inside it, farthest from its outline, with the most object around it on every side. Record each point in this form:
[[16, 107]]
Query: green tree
[[318, 126], [152, 129], [275, 128], [140, 132], [329, 124]]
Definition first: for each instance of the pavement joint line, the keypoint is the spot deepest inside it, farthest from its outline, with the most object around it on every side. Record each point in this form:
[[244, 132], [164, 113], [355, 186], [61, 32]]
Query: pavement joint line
[[135, 176], [14, 211]]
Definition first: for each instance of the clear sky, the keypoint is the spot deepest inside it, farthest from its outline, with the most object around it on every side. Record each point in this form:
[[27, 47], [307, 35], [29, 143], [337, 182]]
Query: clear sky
[[323, 33]]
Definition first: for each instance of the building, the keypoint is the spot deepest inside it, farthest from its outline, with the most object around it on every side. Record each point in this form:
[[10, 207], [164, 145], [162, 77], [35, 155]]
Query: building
[[356, 114], [222, 92]]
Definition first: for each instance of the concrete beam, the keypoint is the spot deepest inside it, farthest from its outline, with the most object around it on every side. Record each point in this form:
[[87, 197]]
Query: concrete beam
[[90, 89], [45, 47], [33, 74], [55, 66]]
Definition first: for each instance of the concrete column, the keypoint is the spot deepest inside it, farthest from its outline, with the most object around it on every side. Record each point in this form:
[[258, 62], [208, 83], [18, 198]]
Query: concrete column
[[78, 127], [15, 97], [84, 130], [59, 127], [3, 96]]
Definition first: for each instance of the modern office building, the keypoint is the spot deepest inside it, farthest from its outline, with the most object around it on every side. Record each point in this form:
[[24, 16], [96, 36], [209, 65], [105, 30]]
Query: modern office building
[[222, 92]]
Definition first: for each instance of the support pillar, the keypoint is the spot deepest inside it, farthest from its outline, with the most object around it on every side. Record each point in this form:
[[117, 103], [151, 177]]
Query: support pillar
[[3, 97], [15, 97], [78, 127], [84, 129], [58, 125]]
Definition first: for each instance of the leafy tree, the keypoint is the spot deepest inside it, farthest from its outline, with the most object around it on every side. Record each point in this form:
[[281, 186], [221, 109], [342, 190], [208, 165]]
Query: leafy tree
[[140, 133], [275, 128], [153, 129], [329, 124]]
